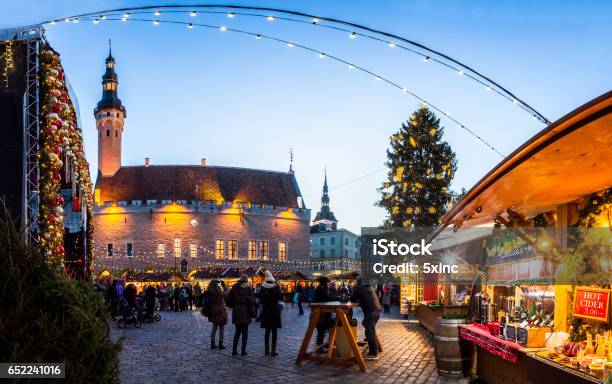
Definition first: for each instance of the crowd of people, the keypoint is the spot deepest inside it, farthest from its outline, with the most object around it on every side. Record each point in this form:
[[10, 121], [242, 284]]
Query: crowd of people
[[263, 303]]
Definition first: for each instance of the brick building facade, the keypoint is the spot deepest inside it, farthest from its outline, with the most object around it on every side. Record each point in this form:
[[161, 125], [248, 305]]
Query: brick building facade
[[159, 217]]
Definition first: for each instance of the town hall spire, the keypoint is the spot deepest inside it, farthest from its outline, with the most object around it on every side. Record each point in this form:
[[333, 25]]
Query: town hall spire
[[109, 114]]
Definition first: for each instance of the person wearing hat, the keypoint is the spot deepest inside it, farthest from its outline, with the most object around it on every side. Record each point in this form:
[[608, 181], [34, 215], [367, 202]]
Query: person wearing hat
[[321, 295], [216, 312], [242, 301], [269, 296]]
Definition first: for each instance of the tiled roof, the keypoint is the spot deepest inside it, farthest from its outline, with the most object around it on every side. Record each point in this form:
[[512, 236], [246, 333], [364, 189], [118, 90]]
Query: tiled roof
[[190, 182]]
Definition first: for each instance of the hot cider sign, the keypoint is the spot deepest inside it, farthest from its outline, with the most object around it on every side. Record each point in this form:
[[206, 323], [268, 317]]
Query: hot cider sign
[[592, 303]]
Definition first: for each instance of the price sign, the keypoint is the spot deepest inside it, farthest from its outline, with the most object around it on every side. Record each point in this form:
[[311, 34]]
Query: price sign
[[592, 303]]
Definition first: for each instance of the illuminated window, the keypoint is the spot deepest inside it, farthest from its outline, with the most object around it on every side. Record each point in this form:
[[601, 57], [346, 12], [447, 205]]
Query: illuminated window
[[252, 250], [177, 247], [161, 249], [220, 249], [263, 250], [232, 249], [193, 250], [282, 251]]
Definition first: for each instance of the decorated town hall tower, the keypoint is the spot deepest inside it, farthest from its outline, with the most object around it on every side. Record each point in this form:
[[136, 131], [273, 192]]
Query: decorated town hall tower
[[109, 115]]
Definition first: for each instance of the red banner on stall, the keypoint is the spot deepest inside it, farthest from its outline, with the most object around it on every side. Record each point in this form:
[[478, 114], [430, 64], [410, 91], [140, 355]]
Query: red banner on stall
[[592, 303]]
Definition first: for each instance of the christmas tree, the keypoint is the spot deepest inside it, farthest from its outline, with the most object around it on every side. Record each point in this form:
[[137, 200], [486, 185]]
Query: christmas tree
[[421, 167]]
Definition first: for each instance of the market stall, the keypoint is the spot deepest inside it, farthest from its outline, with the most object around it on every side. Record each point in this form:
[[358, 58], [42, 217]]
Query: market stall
[[541, 305]]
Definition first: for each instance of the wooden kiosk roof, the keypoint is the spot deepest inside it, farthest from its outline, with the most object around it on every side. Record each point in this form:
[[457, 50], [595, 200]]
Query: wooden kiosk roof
[[569, 159]]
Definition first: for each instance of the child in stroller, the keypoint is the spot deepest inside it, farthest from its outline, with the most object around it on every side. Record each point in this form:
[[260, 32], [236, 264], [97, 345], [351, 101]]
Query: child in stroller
[[128, 314]]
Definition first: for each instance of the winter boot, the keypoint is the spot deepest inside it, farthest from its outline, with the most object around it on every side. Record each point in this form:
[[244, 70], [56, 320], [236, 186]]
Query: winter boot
[[221, 345], [267, 347], [212, 345], [273, 349]]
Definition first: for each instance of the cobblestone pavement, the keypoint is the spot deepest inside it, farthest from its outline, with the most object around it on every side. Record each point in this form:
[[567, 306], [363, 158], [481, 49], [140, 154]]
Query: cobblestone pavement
[[177, 349]]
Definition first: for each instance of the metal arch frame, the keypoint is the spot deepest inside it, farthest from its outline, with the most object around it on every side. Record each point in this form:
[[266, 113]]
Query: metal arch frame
[[31, 133], [466, 68]]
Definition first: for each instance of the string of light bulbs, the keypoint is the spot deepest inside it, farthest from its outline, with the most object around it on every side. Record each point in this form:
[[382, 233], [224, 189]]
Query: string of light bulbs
[[289, 44], [460, 70], [388, 38]]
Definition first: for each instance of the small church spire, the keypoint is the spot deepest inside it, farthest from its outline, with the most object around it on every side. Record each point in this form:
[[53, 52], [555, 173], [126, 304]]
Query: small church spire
[[325, 214], [110, 48], [291, 161]]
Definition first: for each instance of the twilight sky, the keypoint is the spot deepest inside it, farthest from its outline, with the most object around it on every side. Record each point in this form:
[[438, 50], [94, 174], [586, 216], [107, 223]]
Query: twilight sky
[[237, 101]]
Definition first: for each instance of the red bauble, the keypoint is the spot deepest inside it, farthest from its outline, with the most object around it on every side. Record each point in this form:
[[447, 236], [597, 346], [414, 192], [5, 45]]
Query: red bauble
[[60, 200], [53, 219], [57, 123], [59, 249], [57, 149], [79, 261], [57, 108], [57, 176], [76, 204]]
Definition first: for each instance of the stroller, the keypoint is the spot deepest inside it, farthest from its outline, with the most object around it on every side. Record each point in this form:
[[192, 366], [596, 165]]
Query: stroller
[[128, 314]]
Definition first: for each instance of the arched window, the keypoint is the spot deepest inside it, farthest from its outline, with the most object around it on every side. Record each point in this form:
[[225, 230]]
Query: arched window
[[116, 133], [108, 132]]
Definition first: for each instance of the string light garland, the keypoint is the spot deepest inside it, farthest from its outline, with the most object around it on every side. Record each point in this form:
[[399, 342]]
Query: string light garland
[[9, 61], [321, 55], [391, 40]]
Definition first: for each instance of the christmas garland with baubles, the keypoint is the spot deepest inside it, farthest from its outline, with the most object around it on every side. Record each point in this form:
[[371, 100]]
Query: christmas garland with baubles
[[60, 151]]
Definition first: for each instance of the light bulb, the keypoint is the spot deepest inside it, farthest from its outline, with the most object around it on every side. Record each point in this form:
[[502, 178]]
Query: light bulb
[[96, 21], [351, 66], [488, 88], [67, 20], [103, 17], [289, 45], [353, 35], [258, 37], [126, 15], [53, 23], [321, 55], [155, 22], [404, 90], [231, 15], [315, 21], [514, 101], [223, 29], [193, 13], [426, 58], [189, 25], [124, 19], [391, 45], [460, 72], [270, 18], [157, 13]]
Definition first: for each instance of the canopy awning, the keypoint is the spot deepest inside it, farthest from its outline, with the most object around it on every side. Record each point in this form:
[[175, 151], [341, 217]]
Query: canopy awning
[[567, 160]]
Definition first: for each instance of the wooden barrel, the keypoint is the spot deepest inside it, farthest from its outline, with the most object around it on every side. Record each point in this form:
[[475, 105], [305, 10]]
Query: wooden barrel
[[453, 355]]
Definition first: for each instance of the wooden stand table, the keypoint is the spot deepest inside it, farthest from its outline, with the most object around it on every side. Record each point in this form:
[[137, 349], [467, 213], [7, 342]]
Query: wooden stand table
[[341, 322]]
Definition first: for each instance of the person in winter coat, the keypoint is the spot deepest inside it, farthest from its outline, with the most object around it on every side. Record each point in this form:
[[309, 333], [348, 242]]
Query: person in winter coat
[[242, 301], [216, 311], [269, 296], [386, 298], [150, 296], [301, 297], [365, 295], [321, 295], [176, 293], [197, 293], [333, 291]]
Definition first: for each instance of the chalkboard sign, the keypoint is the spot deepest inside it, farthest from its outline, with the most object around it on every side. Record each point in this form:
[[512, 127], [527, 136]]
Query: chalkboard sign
[[184, 265], [521, 335]]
